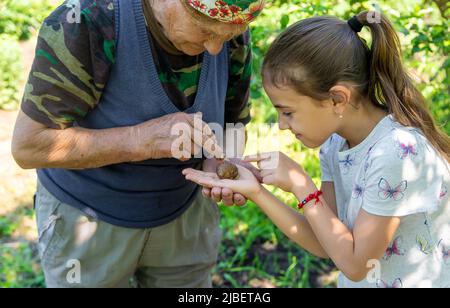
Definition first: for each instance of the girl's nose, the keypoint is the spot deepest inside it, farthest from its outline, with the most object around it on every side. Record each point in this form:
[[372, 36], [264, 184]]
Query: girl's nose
[[214, 47], [282, 124]]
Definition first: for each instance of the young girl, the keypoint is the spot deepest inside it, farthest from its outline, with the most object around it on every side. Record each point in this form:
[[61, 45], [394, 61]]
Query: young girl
[[383, 213]]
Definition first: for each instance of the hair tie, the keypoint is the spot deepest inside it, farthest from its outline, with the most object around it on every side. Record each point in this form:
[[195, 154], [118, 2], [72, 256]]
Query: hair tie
[[355, 24]]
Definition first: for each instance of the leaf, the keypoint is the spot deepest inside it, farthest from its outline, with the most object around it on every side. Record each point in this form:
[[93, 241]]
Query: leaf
[[284, 21]]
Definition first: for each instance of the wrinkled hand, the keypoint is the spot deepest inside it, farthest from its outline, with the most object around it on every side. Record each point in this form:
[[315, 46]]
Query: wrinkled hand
[[155, 140], [230, 191]]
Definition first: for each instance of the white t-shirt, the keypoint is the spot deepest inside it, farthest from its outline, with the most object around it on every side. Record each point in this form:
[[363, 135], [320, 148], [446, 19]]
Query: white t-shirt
[[395, 172]]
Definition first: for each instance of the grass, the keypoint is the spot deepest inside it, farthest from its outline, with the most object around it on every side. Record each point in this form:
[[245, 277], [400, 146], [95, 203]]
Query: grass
[[20, 267], [19, 263], [254, 253]]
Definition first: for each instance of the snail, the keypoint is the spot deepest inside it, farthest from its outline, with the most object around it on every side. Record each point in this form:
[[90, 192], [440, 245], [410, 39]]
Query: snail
[[227, 170]]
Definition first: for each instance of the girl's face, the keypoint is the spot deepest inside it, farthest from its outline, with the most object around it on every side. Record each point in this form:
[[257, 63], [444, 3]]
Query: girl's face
[[310, 120]]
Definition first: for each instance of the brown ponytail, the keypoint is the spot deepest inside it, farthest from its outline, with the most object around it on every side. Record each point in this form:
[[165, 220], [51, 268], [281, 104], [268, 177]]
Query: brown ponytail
[[315, 54], [390, 84]]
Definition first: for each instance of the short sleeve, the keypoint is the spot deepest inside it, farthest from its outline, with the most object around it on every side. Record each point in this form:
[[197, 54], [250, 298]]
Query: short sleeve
[[74, 56], [404, 176], [325, 156]]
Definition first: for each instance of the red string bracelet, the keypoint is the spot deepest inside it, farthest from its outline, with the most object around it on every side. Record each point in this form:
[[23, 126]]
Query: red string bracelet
[[315, 195]]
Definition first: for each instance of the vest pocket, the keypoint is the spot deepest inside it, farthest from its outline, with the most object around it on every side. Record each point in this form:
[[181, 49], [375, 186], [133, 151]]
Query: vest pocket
[[47, 218]]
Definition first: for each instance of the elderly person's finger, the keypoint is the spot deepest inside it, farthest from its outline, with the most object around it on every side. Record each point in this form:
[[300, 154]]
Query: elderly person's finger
[[216, 193], [227, 196], [203, 136], [205, 179], [206, 192], [239, 200]]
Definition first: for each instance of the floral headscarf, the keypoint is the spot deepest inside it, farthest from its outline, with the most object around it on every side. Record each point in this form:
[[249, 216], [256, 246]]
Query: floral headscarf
[[229, 11]]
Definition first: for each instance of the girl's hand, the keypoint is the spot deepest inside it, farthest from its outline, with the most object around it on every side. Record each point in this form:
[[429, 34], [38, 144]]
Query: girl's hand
[[247, 184], [279, 170]]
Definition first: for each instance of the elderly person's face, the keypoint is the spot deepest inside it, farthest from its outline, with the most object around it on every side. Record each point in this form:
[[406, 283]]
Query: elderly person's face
[[190, 35]]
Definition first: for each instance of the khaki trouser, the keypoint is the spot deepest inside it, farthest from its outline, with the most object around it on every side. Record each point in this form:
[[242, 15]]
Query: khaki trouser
[[79, 251]]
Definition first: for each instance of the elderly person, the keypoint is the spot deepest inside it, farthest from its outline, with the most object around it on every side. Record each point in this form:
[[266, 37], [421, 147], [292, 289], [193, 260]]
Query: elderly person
[[109, 80]]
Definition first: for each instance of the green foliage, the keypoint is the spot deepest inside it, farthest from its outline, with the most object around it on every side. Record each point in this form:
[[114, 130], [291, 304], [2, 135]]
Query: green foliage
[[19, 267], [19, 17], [6, 227], [19, 263], [423, 26], [11, 72]]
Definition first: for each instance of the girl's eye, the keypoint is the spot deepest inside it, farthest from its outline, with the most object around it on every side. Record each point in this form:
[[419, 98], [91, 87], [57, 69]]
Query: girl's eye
[[287, 114]]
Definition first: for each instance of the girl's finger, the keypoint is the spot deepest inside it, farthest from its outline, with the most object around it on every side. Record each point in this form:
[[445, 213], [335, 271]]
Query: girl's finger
[[269, 180], [256, 157], [256, 172], [265, 160], [269, 164], [266, 173], [243, 166]]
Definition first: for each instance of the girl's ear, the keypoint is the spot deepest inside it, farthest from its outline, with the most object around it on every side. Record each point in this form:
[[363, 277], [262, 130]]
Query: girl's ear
[[341, 96]]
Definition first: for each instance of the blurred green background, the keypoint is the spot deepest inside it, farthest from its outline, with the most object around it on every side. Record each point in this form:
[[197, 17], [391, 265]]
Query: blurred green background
[[254, 253]]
